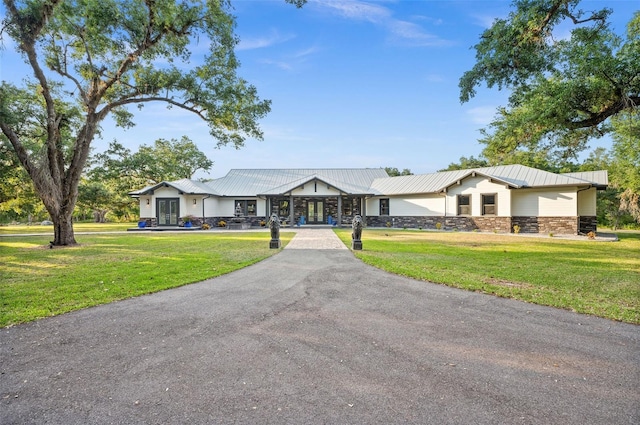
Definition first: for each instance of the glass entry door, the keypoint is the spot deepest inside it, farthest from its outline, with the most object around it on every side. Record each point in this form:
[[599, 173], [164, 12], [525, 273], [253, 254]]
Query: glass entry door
[[315, 212], [168, 212]]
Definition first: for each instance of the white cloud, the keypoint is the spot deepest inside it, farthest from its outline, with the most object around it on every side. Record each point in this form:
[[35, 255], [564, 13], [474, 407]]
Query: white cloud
[[482, 115], [274, 37], [435, 78], [286, 66], [358, 10], [414, 34], [485, 21], [401, 30]]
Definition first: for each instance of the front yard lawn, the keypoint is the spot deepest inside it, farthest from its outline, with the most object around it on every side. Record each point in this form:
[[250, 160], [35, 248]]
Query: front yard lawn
[[37, 282], [591, 277]]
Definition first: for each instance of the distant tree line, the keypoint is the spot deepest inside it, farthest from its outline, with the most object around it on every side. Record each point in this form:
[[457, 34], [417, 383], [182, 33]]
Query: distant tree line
[[108, 178]]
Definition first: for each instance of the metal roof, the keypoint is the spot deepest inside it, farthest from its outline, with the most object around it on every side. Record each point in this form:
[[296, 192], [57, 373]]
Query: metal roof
[[374, 181], [251, 182], [184, 185], [598, 178], [516, 176]]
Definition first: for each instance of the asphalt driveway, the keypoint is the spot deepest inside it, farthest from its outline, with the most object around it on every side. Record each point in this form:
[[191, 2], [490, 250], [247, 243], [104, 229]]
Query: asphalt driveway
[[313, 336]]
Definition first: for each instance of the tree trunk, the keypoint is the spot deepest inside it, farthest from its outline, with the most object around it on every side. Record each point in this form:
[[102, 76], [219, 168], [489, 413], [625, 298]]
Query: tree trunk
[[63, 228]]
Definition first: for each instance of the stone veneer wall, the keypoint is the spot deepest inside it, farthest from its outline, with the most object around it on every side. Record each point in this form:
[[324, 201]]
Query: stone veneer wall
[[461, 223], [560, 225], [588, 224], [151, 221], [253, 220]]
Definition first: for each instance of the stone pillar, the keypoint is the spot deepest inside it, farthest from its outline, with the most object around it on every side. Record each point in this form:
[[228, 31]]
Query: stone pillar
[[339, 215], [291, 211]]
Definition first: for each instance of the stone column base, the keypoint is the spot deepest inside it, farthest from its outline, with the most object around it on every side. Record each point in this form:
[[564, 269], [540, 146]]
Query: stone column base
[[356, 245], [274, 244]]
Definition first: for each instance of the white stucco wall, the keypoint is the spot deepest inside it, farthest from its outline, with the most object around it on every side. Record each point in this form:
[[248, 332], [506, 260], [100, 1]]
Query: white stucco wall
[[475, 187], [545, 203], [425, 205], [316, 188], [149, 210], [226, 207], [587, 202], [372, 207]]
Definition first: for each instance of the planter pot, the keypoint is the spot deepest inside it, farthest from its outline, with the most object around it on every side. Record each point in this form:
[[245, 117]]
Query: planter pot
[[142, 224], [187, 224]]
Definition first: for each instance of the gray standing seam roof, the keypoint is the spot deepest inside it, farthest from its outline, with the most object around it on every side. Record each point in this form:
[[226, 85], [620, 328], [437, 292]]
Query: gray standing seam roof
[[252, 182], [516, 176], [375, 181]]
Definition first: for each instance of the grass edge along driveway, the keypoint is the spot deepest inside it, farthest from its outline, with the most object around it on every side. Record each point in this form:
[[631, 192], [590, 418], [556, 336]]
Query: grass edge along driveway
[[589, 277], [37, 282]]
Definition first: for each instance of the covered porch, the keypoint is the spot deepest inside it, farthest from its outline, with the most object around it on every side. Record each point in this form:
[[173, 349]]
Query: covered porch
[[315, 201]]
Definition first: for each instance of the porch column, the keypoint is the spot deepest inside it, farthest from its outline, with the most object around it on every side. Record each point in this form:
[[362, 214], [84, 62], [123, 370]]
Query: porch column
[[339, 218], [291, 212], [363, 212]]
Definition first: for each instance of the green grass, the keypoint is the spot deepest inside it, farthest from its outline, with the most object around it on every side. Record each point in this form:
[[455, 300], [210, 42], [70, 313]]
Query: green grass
[[23, 229], [37, 282], [591, 277]]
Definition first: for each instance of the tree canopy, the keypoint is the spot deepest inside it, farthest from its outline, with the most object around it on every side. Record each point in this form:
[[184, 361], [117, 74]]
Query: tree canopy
[[394, 172], [563, 91], [94, 58]]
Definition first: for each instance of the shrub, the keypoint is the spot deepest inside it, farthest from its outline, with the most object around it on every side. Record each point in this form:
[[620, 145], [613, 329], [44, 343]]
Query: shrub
[[516, 229], [205, 226], [222, 223], [591, 235], [438, 225], [388, 224]]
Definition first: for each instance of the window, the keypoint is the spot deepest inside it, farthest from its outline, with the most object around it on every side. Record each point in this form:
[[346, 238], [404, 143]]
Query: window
[[384, 206], [489, 204], [283, 209], [349, 206], [247, 207], [464, 204]]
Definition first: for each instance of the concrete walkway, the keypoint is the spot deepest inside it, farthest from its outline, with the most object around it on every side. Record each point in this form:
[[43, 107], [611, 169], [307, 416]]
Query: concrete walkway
[[309, 238], [314, 336]]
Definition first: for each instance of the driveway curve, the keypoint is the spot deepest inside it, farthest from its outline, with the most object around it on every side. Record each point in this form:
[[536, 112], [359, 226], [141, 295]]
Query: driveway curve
[[314, 336]]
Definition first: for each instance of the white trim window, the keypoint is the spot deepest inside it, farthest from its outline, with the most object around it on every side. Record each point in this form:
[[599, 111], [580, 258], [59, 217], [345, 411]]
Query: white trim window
[[489, 204], [249, 207], [464, 204], [384, 206]]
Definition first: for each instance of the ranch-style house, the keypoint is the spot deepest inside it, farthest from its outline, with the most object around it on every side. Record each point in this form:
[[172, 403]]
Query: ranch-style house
[[486, 199]]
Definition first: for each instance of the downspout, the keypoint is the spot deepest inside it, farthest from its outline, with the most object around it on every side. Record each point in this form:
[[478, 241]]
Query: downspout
[[578, 204], [203, 217]]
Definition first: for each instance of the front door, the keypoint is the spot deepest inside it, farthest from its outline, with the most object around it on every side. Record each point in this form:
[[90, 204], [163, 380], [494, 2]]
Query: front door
[[315, 212], [168, 212]]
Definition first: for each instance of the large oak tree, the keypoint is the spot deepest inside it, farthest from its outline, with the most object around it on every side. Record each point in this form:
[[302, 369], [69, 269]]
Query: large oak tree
[[94, 58], [564, 90]]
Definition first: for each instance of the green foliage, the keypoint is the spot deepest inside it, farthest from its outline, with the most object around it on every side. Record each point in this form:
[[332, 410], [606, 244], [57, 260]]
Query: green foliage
[[563, 92], [18, 201], [626, 161], [467, 163], [394, 172], [95, 58]]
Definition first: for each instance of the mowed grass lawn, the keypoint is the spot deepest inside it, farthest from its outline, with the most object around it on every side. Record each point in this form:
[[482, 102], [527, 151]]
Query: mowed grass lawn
[[592, 277], [77, 227], [37, 282]]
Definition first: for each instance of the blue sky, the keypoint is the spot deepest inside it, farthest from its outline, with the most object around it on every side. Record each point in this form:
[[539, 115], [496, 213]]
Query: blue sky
[[353, 84]]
